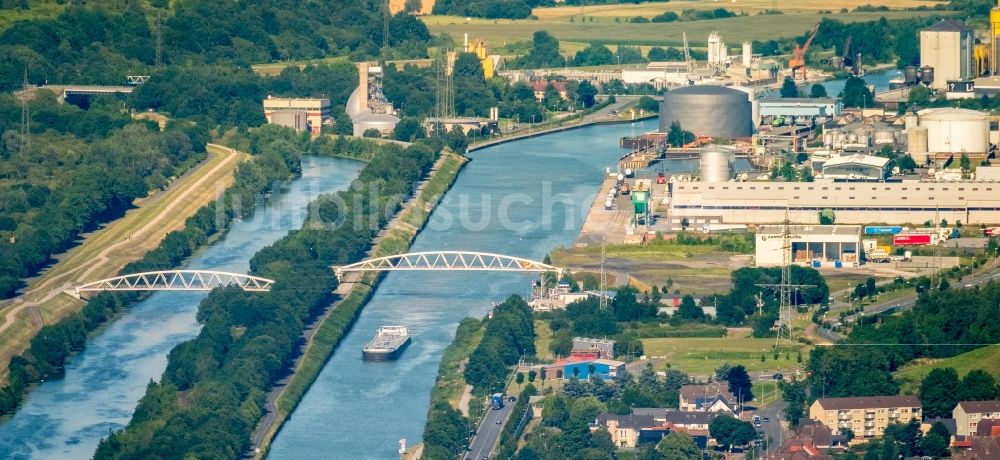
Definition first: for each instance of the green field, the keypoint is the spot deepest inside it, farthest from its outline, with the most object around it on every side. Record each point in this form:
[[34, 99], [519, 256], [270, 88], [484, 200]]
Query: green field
[[986, 358], [604, 29], [701, 356]]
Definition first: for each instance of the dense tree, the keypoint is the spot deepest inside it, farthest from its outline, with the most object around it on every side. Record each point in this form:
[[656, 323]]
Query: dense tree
[[740, 383], [689, 310], [593, 55], [731, 432], [857, 94], [678, 446], [938, 394], [544, 52], [978, 385], [817, 90], [677, 137], [585, 93], [788, 88]]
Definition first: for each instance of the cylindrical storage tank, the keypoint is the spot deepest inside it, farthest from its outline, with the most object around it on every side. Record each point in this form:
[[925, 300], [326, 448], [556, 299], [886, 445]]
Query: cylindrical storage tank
[[714, 111], [956, 131], [716, 164], [884, 137], [384, 123], [827, 139], [916, 144], [927, 75], [911, 121], [910, 74]]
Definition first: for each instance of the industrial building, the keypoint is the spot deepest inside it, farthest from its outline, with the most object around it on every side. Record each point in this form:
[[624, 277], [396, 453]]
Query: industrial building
[[945, 133], [708, 110], [947, 47], [893, 203], [827, 244], [856, 166], [368, 106], [805, 107], [300, 114]]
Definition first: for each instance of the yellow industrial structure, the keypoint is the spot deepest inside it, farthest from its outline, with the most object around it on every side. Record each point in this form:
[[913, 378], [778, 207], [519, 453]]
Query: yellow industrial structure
[[994, 38], [490, 62]]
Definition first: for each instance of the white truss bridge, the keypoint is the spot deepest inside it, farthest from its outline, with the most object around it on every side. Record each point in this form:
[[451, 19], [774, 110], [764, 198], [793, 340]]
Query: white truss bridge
[[177, 280], [448, 261]]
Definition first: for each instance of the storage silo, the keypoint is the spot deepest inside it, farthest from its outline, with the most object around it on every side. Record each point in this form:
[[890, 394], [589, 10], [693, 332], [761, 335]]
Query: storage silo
[[706, 110], [956, 131], [384, 123], [884, 137], [916, 144], [716, 164]]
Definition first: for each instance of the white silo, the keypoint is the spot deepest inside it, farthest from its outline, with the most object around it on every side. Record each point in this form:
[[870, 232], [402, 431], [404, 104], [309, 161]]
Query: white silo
[[716, 164]]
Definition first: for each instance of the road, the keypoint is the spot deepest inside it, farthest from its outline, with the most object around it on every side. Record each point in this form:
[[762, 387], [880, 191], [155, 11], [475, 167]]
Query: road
[[774, 432], [488, 433], [905, 303]]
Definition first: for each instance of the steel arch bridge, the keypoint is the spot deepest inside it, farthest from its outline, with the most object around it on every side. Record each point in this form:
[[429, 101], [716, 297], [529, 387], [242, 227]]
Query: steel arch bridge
[[177, 280], [448, 261]]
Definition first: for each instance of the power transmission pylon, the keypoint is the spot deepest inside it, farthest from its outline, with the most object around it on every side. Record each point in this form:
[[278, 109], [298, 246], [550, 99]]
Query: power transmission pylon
[[785, 287], [604, 297], [159, 41], [25, 96]]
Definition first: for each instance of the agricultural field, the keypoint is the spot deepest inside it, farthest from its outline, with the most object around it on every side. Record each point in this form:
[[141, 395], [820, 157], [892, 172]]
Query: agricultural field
[[986, 358], [575, 35], [701, 356], [751, 7]]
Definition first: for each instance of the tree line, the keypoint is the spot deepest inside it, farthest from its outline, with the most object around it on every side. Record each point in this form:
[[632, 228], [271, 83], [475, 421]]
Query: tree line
[[509, 336], [249, 338], [78, 169], [54, 343]]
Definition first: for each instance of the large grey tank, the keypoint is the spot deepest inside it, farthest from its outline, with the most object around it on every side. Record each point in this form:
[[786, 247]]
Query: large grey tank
[[716, 164], [707, 110]]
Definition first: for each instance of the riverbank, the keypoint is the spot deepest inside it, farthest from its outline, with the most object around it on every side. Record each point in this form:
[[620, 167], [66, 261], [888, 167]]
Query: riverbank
[[599, 116], [326, 335], [106, 251]]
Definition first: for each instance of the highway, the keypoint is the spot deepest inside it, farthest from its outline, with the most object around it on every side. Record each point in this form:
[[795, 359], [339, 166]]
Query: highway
[[906, 302], [489, 432]]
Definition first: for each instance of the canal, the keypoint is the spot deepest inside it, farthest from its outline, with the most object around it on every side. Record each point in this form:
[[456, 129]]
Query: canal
[[67, 417], [523, 198]]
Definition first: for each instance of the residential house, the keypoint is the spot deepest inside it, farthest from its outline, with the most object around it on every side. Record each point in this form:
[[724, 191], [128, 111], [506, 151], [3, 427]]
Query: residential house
[[967, 415], [539, 87], [868, 416], [811, 441], [675, 419], [713, 397], [626, 430], [978, 449]]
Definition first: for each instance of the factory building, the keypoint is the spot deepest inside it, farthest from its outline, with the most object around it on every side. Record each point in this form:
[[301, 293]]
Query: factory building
[[801, 107], [893, 203], [708, 110], [368, 106], [827, 244], [944, 133], [298, 114], [947, 47], [867, 167]]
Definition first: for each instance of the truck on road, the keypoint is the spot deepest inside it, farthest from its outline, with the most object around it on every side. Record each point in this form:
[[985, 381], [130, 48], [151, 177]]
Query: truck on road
[[497, 401]]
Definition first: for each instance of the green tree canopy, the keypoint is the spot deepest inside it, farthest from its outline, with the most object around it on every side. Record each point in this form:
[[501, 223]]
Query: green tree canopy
[[678, 446], [817, 90], [788, 88]]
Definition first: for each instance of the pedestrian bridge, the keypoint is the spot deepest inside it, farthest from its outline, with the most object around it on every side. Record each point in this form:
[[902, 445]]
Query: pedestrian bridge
[[177, 280], [447, 261]]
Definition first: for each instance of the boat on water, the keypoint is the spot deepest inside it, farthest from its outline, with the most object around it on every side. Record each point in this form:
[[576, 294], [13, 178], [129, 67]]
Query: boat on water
[[388, 343]]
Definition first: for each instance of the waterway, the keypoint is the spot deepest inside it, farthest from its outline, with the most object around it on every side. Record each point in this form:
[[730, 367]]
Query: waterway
[[879, 79], [521, 198], [67, 417]]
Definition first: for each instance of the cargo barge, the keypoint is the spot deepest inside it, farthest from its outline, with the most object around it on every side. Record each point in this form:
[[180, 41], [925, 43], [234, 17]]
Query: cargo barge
[[388, 343]]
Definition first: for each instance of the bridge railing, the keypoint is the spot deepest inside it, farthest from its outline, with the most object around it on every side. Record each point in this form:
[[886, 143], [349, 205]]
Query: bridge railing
[[448, 261], [177, 280]]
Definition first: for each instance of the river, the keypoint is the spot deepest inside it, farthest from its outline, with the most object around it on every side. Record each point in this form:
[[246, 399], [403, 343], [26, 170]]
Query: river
[[66, 417], [523, 198]]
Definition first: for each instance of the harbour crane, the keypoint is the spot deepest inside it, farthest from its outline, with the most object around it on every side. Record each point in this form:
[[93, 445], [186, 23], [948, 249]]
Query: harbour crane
[[798, 60]]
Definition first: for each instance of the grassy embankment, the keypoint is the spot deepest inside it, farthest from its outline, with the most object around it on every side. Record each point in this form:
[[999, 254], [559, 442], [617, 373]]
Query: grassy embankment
[[396, 239], [576, 35], [102, 253], [693, 269], [986, 359], [450, 382], [700, 356]]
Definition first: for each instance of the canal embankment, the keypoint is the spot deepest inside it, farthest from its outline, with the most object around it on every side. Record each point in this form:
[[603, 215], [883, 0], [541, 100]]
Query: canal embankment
[[323, 337]]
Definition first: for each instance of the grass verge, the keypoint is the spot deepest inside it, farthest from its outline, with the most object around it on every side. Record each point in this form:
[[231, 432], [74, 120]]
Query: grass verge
[[700, 356], [986, 358]]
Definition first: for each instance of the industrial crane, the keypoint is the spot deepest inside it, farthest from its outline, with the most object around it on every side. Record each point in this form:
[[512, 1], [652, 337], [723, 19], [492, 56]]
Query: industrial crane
[[798, 60], [687, 52]]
